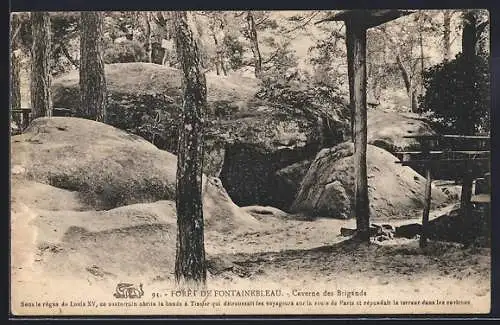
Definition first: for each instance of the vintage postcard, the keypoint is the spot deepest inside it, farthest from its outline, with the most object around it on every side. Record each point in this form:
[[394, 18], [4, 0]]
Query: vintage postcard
[[250, 162]]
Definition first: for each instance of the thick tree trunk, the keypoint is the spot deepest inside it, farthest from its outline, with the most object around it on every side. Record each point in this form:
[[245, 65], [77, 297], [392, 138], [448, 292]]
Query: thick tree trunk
[[41, 101], [92, 79], [446, 34], [472, 35], [356, 37], [252, 32], [190, 256]]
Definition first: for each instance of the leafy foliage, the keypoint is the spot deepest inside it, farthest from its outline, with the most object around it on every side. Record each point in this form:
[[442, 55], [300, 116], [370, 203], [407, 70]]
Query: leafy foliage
[[458, 95], [125, 51], [234, 50]]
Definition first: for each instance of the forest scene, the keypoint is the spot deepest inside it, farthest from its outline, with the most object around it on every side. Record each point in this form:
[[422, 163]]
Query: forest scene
[[235, 149]]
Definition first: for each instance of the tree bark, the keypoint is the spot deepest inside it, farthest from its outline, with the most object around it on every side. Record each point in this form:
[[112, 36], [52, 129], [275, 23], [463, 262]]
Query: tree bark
[[68, 56], [217, 61], [15, 68], [356, 36], [149, 47], [446, 34], [252, 32], [350, 74], [474, 27], [41, 101], [422, 62], [15, 86], [92, 78], [190, 256]]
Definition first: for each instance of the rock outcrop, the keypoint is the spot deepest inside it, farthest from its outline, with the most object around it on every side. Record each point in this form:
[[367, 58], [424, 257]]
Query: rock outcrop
[[328, 187], [103, 166], [242, 133]]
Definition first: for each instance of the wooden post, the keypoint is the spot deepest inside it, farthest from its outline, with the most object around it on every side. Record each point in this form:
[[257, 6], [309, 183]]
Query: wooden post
[[356, 36], [427, 195], [350, 74], [465, 201], [427, 206], [25, 119]]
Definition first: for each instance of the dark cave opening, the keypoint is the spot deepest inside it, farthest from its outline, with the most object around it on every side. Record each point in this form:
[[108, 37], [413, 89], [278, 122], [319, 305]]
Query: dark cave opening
[[249, 174]]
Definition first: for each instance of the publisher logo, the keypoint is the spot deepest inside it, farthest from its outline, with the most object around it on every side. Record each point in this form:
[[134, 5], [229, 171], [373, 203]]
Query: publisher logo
[[128, 290]]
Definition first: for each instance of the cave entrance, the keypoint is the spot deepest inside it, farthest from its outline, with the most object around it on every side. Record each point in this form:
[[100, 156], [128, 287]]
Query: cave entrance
[[249, 174]]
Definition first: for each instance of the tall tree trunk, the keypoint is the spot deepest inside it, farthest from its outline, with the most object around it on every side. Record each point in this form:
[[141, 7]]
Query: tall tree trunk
[[472, 33], [15, 69], [471, 38], [414, 102], [350, 74], [149, 47], [406, 79], [15, 80], [217, 61], [15, 86], [356, 38], [446, 34], [92, 79], [68, 56], [252, 32], [41, 101], [422, 59], [190, 256]]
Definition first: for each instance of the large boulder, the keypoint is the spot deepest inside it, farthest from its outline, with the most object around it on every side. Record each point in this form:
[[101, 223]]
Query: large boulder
[[247, 140], [144, 98], [387, 129], [105, 166], [327, 190]]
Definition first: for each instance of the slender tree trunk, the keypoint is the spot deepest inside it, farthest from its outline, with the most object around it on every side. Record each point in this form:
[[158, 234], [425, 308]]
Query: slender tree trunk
[[92, 79], [222, 65], [446, 34], [407, 80], [422, 60], [414, 102], [41, 101], [15, 86], [15, 68], [473, 28], [149, 47], [254, 43], [350, 73], [217, 61], [190, 256], [68, 56], [356, 37], [15, 81]]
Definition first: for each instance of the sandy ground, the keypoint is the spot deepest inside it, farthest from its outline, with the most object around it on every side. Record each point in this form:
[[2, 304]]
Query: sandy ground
[[282, 252]]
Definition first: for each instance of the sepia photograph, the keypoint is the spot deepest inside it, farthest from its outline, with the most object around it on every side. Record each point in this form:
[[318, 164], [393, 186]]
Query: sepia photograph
[[279, 162]]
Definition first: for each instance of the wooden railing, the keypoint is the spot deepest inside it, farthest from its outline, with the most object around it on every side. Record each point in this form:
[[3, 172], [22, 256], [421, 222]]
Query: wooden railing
[[470, 153]]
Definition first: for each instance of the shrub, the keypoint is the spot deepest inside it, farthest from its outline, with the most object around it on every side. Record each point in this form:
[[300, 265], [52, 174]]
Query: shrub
[[458, 95], [125, 51]]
